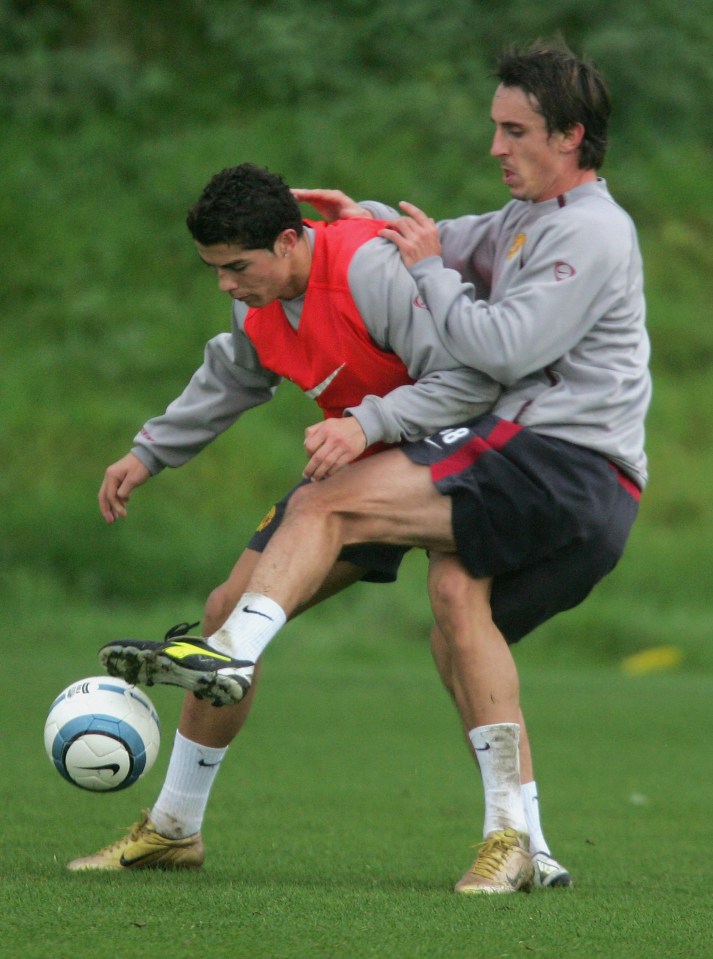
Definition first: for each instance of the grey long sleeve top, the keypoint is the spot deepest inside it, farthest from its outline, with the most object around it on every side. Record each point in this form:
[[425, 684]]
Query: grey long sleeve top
[[547, 299]]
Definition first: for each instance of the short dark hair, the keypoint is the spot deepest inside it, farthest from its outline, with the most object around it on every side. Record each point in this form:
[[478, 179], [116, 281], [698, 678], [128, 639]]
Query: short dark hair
[[567, 89], [244, 205]]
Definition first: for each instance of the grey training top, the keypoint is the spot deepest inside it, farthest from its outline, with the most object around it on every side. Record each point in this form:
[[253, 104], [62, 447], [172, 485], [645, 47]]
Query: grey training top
[[547, 298], [232, 380]]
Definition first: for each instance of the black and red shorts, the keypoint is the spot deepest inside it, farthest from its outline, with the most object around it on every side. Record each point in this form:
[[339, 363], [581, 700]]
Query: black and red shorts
[[545, 518]]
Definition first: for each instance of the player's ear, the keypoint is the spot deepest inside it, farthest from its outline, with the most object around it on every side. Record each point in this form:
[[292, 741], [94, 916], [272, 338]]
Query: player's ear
[[286, 242], [572, 138]]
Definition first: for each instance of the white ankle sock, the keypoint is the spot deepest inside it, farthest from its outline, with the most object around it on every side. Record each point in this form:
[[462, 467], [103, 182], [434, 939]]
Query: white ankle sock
[[247, 631], [496, 748], [181, 804], [531, 805]]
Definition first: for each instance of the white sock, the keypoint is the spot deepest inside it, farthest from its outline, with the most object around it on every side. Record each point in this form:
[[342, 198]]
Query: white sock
[[249, 628], [181, 804], [497, 750], [531, 805]]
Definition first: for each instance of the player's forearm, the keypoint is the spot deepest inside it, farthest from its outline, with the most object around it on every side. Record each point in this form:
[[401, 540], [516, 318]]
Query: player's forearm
[[218, 393], [412, 412]]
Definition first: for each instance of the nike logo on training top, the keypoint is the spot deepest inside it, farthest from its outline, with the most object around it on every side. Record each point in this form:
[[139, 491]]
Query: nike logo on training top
[[321, 387], [256, 612]]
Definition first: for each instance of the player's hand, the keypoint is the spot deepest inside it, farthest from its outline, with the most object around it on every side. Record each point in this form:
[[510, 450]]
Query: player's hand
[[416, 235], [332, 444], [120, 479], [331, 204]]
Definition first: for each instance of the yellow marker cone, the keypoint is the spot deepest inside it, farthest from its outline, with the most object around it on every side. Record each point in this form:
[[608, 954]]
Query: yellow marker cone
[[654, 660]]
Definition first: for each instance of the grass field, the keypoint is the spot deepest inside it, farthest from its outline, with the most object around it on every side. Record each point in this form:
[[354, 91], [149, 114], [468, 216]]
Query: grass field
[[346, 812]]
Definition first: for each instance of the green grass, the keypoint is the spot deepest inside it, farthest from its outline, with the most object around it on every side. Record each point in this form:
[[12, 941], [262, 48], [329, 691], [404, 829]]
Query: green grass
[[346, 811]]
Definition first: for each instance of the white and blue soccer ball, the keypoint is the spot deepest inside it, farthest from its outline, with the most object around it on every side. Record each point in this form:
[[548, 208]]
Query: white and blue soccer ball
[[102, 734]]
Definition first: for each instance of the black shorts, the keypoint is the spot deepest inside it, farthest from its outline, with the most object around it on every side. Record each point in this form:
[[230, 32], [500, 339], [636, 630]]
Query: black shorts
[[545, 518], [380, 561]]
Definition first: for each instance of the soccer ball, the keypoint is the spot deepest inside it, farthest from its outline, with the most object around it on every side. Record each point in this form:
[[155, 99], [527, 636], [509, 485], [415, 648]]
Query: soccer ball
[[102, 734]]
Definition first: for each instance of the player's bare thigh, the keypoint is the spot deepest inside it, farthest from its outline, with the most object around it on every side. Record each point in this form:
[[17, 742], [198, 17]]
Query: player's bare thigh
[[387, 499]]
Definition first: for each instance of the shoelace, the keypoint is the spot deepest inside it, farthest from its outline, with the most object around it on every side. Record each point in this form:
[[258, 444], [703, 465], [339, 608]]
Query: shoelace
[[492, 855], [132, 836], [180, 629]]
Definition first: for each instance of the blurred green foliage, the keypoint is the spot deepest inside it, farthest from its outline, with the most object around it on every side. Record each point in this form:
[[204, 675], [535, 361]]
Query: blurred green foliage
[[114, 115]]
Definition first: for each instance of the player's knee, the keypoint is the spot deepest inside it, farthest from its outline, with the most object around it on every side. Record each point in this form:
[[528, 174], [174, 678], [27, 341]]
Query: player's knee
[[217, 609], [307, 500], [451, 591], [460, 603]]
